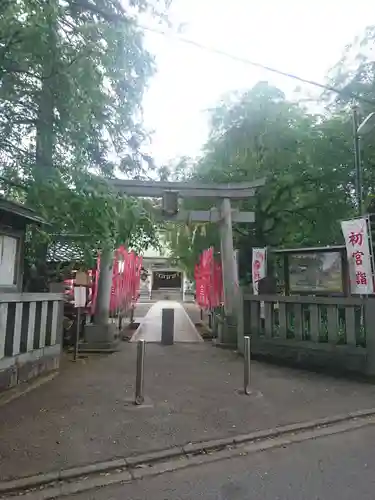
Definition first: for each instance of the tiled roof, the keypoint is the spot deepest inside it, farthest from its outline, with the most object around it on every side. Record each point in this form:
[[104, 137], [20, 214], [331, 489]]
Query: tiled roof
[[67, 251], [20, 210]]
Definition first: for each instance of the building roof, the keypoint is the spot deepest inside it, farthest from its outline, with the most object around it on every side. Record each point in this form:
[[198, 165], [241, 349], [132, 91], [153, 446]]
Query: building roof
[[19, 210], [64, 252], [69, 248]]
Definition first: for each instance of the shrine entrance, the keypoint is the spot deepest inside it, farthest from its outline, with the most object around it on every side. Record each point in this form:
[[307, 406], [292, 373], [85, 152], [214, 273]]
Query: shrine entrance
[[223, 214]]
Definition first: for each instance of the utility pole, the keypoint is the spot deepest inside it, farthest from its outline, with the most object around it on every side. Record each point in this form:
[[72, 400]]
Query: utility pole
[[359, 130], [357, 161]]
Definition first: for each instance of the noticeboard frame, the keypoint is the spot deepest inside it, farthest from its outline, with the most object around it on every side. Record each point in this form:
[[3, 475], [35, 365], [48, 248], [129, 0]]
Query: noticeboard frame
[[285, 255]]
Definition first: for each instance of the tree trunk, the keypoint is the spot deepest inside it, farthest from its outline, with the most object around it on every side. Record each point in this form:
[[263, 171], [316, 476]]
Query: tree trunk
[[45, 119], [45, 133]]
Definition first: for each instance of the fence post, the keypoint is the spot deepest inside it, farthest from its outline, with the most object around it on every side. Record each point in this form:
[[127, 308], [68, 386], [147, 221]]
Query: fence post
[[167, 326], [247, 367], [140, 369]]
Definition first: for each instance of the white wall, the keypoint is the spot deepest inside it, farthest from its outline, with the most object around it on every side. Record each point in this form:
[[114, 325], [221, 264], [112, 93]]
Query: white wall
[[8, 260]]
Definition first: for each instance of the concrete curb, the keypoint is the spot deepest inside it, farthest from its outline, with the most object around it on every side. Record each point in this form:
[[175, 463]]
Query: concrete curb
[[51, 492], [129, 466]]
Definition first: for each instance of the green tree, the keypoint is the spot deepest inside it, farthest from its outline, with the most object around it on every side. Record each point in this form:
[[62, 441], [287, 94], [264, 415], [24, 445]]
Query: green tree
[[72, 80], [306, 160], [72, 76], [354, 75]]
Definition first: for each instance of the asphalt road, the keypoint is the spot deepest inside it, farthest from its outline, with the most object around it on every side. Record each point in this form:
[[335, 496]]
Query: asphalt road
[[339, 467]]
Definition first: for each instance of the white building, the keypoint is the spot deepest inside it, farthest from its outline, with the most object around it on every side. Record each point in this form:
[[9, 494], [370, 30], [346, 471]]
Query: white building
[[163, 280]]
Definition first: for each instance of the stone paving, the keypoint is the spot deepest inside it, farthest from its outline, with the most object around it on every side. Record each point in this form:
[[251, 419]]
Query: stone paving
[[86, 414], [150, 325]]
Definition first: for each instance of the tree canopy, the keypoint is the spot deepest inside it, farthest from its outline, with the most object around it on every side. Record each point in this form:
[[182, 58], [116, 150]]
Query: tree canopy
[[72, 78], [307, 159]]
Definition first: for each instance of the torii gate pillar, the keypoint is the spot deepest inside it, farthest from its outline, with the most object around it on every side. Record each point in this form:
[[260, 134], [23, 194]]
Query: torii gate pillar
[[100, 335], [227, 258]]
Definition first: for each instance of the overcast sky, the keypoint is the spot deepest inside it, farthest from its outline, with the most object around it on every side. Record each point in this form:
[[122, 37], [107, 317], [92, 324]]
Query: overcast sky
[[305, 37]]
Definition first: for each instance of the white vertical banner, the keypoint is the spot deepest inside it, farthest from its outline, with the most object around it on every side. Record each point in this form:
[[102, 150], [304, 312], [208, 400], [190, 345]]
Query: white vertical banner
[[259, 267], [359, 257]]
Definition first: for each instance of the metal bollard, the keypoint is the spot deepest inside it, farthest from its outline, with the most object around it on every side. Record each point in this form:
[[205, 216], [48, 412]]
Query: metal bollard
[[247, 362], [139, 380], [167, 326]]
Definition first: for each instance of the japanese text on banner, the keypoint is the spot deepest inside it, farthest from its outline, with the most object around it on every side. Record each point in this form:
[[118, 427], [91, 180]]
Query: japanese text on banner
[[258, 267], [359, 256]]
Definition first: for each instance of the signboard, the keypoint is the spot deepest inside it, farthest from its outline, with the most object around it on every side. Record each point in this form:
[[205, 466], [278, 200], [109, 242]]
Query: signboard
[[82, 279], [166, 279], [259, 267], [359, 256], [315, 272], [79, 296]]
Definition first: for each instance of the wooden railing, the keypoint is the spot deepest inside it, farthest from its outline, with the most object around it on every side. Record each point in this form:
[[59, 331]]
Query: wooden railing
[[336, 327], [29, 321]]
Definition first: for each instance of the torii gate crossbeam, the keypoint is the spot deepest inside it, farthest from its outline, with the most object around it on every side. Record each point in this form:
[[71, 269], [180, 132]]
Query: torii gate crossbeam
[[156, 189]]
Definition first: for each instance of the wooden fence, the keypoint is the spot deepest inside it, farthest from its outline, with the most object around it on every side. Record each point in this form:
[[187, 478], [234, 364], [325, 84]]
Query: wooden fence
[[30, 335], [317, 332]]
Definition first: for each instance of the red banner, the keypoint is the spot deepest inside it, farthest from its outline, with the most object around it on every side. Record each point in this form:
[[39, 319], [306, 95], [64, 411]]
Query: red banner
[[208, 280], [126, 280]]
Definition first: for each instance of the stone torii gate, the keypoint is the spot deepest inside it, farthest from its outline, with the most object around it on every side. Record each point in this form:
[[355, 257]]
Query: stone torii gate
[[224, 215]]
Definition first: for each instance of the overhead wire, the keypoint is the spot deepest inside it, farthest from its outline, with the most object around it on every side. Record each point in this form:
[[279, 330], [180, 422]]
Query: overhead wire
[[343, 92]]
